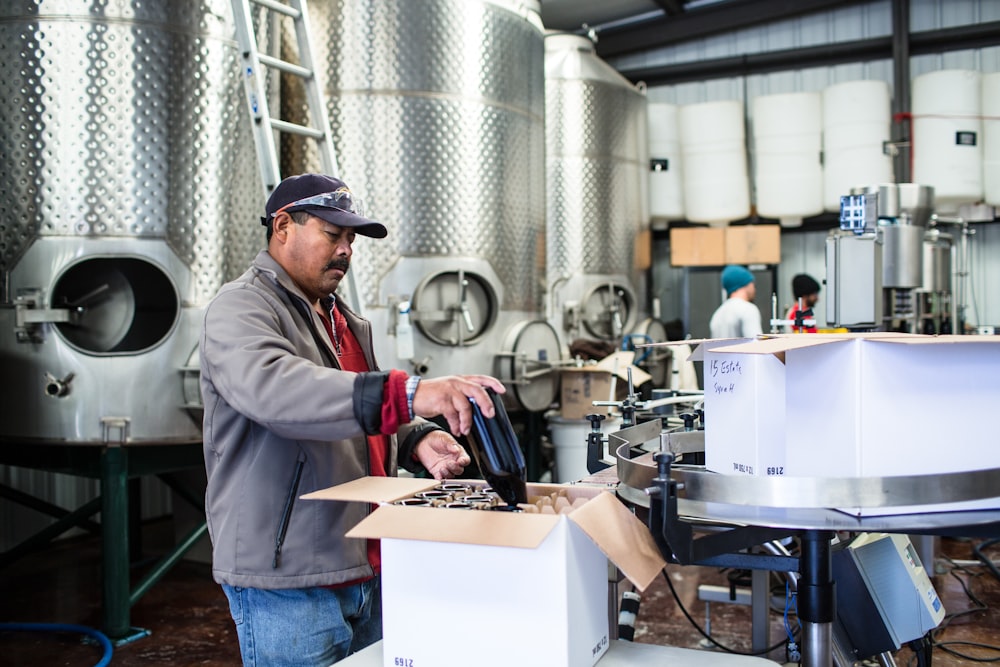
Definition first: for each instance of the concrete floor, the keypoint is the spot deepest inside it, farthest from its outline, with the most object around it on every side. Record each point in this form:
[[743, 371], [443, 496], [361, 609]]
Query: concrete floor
[[189, 622]]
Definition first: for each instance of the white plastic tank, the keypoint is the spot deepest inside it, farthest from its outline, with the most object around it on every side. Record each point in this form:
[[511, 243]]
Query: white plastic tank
[[947, 137], [991, 138], [569, 437], [666, 191], [857, 121], [713, 148], [788, 172]]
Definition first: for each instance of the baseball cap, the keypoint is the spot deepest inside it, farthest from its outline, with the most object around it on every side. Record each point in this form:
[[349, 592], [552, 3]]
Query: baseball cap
[[325, 197]]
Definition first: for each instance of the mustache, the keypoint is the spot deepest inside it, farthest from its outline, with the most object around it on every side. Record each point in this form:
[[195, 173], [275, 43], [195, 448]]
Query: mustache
[[342, 264]]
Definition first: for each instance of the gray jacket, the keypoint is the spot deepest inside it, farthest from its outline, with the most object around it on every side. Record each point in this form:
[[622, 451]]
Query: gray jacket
[[281, 420]]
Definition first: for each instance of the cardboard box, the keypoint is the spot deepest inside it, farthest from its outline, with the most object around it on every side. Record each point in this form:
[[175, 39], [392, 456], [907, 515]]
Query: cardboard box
[[495, 589], [753, 244], [716, 246], [697, 246], [607, 380], [870, 405]]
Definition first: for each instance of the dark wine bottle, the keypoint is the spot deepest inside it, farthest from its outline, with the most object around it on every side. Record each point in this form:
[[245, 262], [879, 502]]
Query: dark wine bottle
[[498, 453]]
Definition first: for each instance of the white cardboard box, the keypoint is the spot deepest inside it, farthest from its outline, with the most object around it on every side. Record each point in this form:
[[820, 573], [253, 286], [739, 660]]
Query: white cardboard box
[[744, 399], [464, 587], [872, 405]]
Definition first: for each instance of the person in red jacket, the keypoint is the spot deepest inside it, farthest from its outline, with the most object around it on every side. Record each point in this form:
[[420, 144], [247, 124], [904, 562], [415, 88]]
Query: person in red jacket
[[806, 291]]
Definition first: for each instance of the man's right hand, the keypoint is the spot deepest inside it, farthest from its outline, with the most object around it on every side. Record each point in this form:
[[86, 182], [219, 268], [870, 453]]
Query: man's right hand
[[449, 397]]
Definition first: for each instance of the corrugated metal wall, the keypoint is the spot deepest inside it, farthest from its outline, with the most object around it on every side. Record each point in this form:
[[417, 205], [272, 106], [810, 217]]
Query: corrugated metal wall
[[803, 251]]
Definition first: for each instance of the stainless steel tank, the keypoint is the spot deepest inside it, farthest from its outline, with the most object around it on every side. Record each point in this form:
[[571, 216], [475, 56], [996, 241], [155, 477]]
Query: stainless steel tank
[[938, 249], [903, 212], [128, 196], [437, 115], [596, 157]]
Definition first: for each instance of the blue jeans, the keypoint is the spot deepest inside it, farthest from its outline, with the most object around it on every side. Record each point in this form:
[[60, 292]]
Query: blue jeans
[[305, 627]]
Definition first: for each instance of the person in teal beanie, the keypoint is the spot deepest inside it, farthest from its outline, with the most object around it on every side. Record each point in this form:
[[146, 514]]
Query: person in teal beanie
[[738, 316]]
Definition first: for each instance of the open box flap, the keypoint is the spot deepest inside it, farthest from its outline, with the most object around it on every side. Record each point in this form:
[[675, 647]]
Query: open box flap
[[374, 489], [938, 340], [705, 344], [498, 529], [617, 364], [622, 537], [778, 346]]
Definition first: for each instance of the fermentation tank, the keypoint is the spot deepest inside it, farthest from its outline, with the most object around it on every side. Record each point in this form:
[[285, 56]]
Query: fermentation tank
[[437, 115], [127, 197], [596, 170]]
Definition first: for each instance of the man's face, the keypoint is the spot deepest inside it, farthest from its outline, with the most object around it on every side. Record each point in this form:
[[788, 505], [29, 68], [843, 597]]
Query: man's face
[[751, 291], [810, 300], [316, 255]]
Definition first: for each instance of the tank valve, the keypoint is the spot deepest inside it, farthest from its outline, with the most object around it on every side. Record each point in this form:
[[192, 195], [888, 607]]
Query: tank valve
[[55, 387], [422, 367]]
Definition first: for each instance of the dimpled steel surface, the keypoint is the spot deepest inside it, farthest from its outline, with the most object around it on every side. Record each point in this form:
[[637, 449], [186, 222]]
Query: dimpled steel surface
[[436, 109], [127, 119], [126, 143], [594, 141]]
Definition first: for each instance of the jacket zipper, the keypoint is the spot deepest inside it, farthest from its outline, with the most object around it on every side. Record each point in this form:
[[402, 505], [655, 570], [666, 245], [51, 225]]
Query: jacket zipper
[[287, 513]]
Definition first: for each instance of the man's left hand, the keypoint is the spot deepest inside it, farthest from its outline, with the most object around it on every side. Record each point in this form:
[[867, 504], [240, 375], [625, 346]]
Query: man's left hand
[[440, 453]]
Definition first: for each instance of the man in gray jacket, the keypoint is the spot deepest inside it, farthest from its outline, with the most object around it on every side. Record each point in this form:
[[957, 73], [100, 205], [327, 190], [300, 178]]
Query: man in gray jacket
[[294, 402]]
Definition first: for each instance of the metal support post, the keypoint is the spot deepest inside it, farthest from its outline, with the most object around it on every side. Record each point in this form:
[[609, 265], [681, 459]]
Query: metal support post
[[114, 521], [817, 599], [760, 603]]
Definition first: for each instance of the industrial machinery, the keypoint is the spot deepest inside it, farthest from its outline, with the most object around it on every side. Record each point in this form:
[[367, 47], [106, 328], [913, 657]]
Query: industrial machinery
[[885, 269], [703, 518], [889, 598]]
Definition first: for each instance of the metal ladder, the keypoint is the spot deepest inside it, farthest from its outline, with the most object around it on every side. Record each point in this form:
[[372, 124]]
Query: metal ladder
[[264, 125]]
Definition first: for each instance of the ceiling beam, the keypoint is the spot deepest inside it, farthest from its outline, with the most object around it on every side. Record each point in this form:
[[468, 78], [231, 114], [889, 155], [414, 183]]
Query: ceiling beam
[[671, 7], [973, 36], [704, 21]]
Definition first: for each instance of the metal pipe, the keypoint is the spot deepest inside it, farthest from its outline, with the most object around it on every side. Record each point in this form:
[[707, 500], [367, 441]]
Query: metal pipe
[[901, 80], [817, 647]]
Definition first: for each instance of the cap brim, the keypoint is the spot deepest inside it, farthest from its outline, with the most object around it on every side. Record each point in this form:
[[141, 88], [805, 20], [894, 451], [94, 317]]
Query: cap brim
[[363, 226]]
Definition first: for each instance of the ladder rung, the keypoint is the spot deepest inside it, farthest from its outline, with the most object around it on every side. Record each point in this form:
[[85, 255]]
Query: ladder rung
[[292, 128], [284, 66], [277, 6]]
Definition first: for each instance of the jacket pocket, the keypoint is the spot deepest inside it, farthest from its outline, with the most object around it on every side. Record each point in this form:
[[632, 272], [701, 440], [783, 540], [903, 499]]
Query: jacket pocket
[[286, 513]]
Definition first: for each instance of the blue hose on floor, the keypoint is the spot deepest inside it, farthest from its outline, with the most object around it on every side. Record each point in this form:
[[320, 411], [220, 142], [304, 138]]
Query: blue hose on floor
[[96, 635]]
